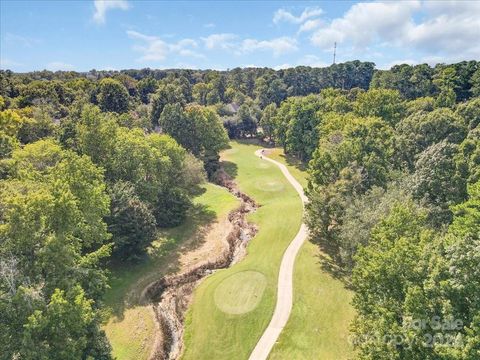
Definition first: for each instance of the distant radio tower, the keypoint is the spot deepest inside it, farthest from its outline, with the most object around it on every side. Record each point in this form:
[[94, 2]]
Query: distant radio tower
[[334, 51]]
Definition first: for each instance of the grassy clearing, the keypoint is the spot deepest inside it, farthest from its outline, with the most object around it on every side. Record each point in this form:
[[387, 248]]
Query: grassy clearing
[[131, 326], [212, 333], [131, 336], [318, 324]]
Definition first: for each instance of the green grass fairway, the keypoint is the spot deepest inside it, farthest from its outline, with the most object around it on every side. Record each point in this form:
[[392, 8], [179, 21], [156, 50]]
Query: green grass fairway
[[212, 333], [318, 324], [131, 327]]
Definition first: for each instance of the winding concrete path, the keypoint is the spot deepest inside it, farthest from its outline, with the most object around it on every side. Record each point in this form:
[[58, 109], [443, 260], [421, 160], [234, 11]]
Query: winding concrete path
[[285, 278]]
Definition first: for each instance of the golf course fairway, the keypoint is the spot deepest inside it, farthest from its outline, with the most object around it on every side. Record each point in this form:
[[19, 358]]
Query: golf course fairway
[[321, 313], [218, 326]]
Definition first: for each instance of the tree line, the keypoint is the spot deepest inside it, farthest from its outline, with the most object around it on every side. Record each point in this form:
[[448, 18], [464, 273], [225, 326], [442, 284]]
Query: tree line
[[394, 197], [92, 164]]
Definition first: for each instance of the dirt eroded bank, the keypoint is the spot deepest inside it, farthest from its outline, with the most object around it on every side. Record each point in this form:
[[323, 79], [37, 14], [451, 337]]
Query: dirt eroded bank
[[172, 294]]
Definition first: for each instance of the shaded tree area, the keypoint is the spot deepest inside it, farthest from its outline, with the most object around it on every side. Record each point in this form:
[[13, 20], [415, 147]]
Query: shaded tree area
[[393, 192], [75, 195]]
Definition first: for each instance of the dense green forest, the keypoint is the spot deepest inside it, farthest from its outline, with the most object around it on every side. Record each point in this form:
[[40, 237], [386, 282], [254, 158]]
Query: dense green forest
[[93, 164]]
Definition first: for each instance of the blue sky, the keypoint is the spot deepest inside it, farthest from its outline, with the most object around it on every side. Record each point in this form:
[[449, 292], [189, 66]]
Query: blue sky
[[123, 34]]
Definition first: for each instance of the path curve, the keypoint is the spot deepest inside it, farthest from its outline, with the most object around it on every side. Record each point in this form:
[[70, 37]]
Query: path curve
[[285, 278]]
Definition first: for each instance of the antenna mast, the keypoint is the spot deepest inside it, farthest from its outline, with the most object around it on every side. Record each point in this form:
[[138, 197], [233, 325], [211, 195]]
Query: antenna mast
[[334, 51]]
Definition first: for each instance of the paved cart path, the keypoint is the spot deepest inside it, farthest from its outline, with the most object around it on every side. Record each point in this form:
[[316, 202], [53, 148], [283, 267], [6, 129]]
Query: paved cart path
[[285, 278]]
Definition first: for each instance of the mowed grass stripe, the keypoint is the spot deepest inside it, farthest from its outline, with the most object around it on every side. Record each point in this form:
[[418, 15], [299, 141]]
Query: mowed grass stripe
[[212, 333]]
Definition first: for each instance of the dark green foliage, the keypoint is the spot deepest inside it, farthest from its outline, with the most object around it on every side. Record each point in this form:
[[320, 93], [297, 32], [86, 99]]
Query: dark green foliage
[[61, 331], [386, 104], [131, 222], [326, 208], [406, 274], [146, 87], [362, 214], [166, 94], [411, 81], [297, 121], [421, 130], [267, 121], [170, 208], [53, 242], [470, 112], [199, 130], [270, 89], [438, 180], [364, 143], [470, 150], [174, 121], [113, 96], [475, 83], [387, 271], [248, 122]]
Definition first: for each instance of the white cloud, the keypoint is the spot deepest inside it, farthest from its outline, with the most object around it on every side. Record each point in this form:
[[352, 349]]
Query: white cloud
[[209, 25], [278, 46], [58, 65], [220, 41], [233, 43], [102, 6], [448, 29], [283, 66], [364, 23], [456, 7], [313, 61], [310, 25], [284, 15], [442, 29], [156, 49]]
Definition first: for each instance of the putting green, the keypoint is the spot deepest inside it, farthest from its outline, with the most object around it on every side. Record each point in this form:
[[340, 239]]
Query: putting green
[[241, 292]]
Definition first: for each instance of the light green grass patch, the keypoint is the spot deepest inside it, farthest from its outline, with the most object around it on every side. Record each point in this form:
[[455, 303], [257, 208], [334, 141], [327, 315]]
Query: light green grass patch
[[241, 292], [131, 336], [272, 185]]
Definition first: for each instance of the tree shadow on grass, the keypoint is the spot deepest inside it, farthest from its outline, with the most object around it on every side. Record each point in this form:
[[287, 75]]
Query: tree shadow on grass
[[230, 168], [128, 280], [329, 262], [254, 141], [334, 269], [295, 162]]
